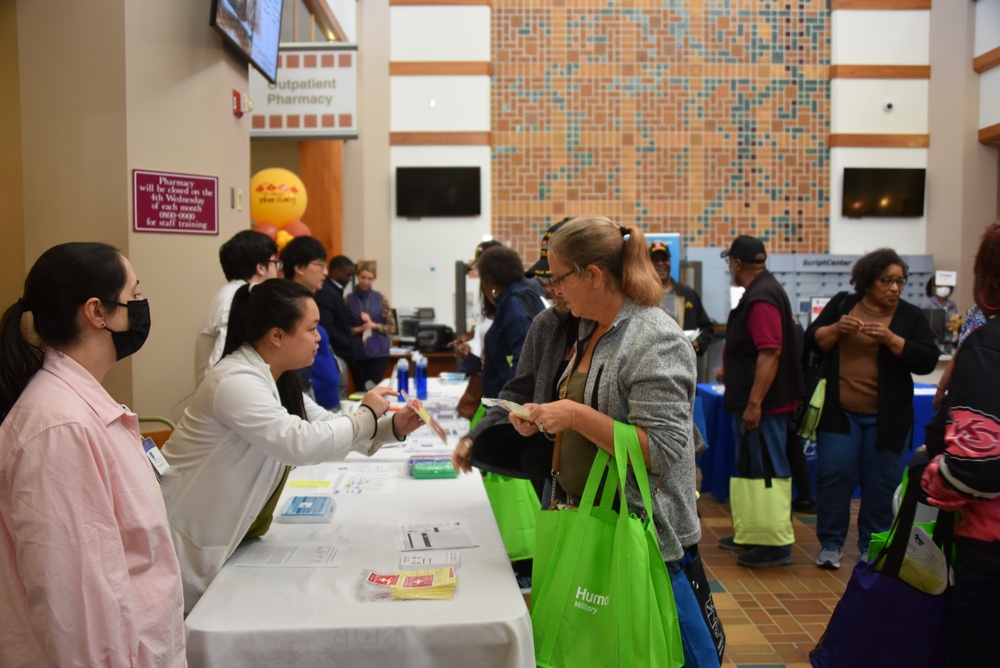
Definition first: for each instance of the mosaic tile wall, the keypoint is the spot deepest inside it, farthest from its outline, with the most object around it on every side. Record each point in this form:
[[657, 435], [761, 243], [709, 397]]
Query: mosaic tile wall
[[703, 117]]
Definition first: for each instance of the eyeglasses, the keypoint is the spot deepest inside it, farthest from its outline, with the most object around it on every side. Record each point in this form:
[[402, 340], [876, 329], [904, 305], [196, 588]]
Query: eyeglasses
[[559, 279], [278, 264], [888, 281], [318, 263]]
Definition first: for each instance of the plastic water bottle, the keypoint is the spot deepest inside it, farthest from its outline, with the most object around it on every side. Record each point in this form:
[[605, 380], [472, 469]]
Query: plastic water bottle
[[420, 376], [402, 377]]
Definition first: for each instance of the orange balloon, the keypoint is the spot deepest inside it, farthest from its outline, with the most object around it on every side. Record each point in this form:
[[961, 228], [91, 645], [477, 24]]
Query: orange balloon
[[277, 196], [266, 228], [297, 229]]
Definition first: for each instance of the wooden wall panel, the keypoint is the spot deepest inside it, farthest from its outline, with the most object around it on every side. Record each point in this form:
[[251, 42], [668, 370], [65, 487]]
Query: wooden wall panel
[[321, 168], [880, 4], [440, 68], [879, 141], [986, 61], [880, 71], [440, 139]]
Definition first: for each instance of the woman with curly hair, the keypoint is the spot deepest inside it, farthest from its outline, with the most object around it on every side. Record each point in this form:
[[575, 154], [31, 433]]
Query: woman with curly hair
[[869, 342]]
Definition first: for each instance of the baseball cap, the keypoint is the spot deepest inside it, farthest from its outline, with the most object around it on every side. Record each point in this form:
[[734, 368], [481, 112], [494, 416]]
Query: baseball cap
[[541, 268], [489, 243], [659, 247], [746, 248]]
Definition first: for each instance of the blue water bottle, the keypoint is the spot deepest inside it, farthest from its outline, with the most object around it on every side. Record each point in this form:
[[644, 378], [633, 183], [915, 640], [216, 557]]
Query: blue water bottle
[[420, 377], [402, 377]]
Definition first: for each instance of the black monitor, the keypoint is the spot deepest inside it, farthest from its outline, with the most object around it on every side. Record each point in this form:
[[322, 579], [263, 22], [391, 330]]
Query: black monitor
[[883, 193], [253, 29], [438, 192]]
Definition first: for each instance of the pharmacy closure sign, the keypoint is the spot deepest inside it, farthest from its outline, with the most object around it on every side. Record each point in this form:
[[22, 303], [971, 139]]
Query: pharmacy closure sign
[[178, 203]]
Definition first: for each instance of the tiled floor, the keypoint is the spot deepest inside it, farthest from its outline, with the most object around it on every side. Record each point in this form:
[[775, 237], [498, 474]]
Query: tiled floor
[[772, 616]]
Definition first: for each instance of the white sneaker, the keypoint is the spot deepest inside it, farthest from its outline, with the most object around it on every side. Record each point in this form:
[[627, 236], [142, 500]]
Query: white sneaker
[[828, 558]]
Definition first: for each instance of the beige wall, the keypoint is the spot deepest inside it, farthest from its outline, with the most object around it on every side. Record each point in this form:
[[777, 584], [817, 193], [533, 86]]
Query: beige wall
[[133, 85], [962, 174], [265, 153], [367, 173], [12, 211]]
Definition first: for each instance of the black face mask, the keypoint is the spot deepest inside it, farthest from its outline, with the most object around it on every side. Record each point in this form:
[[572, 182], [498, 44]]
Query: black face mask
[[129, 341]]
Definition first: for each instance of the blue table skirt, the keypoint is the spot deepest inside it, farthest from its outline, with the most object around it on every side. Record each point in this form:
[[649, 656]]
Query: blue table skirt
[[718, 464]]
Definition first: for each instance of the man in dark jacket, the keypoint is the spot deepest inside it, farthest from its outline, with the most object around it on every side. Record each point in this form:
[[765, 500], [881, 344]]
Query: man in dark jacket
[[333, 315], [680, 301], [763, 380]]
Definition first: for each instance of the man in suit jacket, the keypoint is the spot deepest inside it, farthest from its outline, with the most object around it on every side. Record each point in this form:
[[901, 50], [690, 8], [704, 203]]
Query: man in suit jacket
[[333, 315]]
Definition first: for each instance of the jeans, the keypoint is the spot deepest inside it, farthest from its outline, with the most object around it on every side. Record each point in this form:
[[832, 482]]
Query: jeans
[[845, 461], [774, 430]]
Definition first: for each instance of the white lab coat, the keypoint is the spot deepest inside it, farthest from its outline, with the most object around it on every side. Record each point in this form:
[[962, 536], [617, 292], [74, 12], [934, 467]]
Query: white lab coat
[[227, 456]]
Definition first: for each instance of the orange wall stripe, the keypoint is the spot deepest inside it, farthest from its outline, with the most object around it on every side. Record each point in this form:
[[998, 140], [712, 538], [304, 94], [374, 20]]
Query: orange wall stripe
[[440, 68], [879, 141], [440, 139], [987, 61], [880, 71], [880, 4], [488, 3], [990, 135]]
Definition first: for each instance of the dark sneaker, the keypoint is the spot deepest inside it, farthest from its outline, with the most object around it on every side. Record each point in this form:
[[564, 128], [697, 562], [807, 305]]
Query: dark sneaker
[[729, 543], [524, 583], [806, 507], [765, 556]]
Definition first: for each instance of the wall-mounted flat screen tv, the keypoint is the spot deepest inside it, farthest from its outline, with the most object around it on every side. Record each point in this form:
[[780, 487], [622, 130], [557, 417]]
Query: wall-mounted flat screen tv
[[883, 192], [253, 28], [437, 191]]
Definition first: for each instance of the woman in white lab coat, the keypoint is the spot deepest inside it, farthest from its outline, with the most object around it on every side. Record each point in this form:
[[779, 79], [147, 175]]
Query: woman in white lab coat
[[249, 422]]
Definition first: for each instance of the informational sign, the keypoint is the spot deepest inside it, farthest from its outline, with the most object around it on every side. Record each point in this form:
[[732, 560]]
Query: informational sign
[[178, 203], [315, 96], [816, 306], [946, 278], [673, 242], [824, 264]]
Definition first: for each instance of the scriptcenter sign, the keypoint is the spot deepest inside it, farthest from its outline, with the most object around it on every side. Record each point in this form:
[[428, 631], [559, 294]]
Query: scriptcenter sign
[[315, 95]]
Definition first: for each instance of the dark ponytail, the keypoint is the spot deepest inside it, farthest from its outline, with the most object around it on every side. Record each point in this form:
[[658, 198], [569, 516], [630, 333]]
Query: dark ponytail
[[59, 283], [255, 311]]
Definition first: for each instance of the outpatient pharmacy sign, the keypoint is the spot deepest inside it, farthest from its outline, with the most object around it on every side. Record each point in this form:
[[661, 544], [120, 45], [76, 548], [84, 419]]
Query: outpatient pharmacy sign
[[315, 96], [178, 203]]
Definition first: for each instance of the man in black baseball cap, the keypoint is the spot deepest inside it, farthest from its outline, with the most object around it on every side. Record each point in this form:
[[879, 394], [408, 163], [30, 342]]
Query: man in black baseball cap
[[681, 302], [763, 379], [747, 249], [541, 268]]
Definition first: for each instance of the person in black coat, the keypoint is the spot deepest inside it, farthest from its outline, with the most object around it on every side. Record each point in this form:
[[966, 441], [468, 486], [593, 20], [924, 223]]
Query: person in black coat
[[681, 298], [333, 314], [870, 342]]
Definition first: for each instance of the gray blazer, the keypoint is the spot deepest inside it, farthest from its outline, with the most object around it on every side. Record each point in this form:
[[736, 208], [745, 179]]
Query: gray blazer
[[643, 373]]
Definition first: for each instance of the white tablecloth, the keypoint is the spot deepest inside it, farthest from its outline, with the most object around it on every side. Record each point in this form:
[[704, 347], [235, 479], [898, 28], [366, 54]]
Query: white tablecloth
[[254, 616]]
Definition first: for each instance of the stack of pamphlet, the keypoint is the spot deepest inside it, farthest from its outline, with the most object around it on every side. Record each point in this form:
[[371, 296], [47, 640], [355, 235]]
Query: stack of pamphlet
[[429, 584]]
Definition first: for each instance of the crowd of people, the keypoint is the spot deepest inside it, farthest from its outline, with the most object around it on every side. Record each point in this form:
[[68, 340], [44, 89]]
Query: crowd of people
[[106, 545]]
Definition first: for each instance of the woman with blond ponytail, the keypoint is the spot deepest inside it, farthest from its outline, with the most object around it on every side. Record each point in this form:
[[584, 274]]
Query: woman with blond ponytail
[[632, 364]]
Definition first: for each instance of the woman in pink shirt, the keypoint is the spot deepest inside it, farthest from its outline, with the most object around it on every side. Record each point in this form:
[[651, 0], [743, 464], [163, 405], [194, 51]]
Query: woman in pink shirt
[[88, 574]]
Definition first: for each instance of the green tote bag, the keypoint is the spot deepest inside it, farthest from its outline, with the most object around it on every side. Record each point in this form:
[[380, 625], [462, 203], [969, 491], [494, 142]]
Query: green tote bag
[[601, 595], [761, 507], [515, 507]]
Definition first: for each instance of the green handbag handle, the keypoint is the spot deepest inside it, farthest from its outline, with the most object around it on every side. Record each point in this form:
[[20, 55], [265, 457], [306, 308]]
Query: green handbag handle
[[561, 571]]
